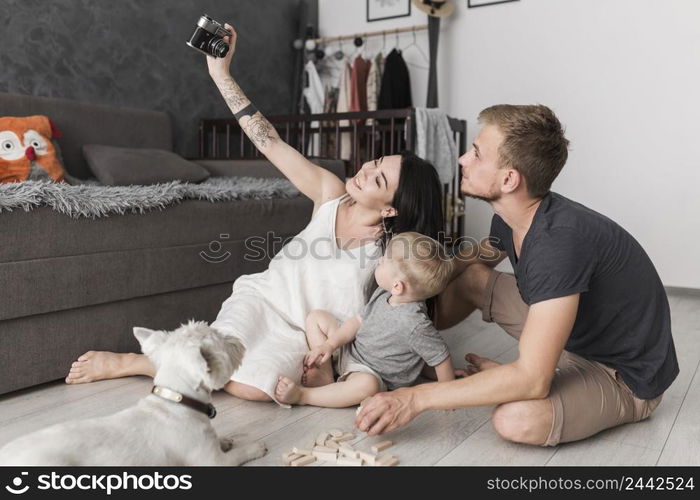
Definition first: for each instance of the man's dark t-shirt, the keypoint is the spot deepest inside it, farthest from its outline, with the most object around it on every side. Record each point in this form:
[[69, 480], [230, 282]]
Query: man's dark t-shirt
[[623, 316]]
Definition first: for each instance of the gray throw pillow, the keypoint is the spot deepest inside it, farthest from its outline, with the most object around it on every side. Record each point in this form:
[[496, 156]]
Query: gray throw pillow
[[117, 166]]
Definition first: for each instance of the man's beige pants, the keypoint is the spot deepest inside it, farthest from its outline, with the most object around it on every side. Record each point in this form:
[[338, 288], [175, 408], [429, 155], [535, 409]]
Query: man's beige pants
[[587, 397]]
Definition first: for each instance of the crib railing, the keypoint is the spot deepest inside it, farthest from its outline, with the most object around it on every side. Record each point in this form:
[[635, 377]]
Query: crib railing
[[355, 137]]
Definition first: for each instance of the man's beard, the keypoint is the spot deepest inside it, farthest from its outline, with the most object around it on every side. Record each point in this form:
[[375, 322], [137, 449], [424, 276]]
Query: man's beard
[[489, 198]]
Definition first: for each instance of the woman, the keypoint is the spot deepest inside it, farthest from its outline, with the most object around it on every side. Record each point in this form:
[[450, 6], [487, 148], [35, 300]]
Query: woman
[[329, 265]]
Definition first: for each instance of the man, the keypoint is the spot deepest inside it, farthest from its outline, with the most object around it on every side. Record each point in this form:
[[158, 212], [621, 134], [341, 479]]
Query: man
[[587, 305]]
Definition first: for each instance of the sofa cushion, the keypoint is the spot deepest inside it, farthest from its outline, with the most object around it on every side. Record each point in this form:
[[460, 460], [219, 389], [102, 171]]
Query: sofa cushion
[[117, 166]]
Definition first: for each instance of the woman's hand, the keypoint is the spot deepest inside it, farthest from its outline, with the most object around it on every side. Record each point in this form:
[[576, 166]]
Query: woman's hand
[[387, 411], [318, 355], [219, 66]]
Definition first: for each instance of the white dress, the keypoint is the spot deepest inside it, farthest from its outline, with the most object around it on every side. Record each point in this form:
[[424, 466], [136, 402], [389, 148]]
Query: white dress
[[267, 311]]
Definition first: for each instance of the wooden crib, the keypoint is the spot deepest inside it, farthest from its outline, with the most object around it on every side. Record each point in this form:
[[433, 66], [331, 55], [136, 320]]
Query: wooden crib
[[355, 137]]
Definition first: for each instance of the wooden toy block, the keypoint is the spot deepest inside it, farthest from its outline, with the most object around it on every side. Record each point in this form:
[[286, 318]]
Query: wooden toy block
[[301, 451], [345, 437], [326, 456], [336, 433], [387, 461], [332, 444], [368, 458], [321, 439], [305, 460], [290, 457], [324, 449], [348, 451], [382, 446], [348, 461]]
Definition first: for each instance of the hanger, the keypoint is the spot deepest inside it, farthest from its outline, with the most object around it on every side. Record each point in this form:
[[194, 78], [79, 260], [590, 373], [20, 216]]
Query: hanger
[[340, 53], [419, 49], [359, 44]]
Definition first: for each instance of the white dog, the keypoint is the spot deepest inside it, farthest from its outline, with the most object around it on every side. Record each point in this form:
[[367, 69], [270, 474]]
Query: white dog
[[170, 426]]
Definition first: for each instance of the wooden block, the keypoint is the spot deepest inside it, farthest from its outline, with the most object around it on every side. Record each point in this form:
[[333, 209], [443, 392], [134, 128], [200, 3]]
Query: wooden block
[[366, 457], [290, 457], [321, 439], [348, 451], [344, 437], [348, 461], [326, 456], [387, 461], [382, 446], [305, 460], [301, 451], [336, 433], [332, 444], [324, 449]]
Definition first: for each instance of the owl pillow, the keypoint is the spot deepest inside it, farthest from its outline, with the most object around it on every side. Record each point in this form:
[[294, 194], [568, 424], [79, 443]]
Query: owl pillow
[[26, 150]]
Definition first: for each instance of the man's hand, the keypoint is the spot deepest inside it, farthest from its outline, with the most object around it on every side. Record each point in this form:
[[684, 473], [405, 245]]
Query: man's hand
[[219, 66], [318, 355], [387, 411]]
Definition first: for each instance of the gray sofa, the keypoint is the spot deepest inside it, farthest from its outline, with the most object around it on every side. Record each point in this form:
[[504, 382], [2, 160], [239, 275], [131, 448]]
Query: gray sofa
[[70, 285]]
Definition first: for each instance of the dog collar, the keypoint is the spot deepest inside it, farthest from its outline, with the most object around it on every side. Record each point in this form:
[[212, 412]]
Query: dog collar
[[170, 395]]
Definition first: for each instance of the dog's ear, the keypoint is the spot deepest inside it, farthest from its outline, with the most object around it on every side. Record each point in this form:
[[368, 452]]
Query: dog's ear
[[149, 339], [222, 359]]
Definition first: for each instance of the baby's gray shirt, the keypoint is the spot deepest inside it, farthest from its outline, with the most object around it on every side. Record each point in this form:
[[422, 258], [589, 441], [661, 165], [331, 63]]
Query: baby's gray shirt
[[394, 341]]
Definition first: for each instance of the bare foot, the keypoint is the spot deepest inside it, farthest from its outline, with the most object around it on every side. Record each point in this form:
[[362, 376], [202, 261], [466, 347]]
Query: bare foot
[[288, 392], [317, 377], [99, 365], [478, 364]]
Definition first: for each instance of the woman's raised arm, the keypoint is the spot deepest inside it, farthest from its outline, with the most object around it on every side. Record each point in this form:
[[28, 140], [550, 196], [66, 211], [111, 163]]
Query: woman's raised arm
[[315, 182]]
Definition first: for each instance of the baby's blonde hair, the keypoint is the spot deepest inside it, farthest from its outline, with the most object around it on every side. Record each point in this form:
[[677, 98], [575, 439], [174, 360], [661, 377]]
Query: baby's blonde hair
[[423, 261]]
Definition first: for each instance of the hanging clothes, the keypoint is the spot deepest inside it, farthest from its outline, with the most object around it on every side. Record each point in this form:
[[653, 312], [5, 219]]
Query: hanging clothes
[[313, 92], [374, 82], [360, 71], [315, 99], [435, 142], [395, 91]]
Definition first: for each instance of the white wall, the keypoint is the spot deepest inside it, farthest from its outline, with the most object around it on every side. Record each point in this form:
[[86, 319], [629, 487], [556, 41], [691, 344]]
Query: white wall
[[622, 75]]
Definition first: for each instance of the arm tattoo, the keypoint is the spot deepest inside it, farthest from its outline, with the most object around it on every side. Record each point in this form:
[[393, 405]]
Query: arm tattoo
[[233, 95], [260, 131]]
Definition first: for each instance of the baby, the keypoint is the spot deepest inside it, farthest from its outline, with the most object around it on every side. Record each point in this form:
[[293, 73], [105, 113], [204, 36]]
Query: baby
[[388, 344]]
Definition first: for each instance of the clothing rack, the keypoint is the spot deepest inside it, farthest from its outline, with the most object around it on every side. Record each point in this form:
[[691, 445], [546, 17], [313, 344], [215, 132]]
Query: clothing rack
[[370, 34]]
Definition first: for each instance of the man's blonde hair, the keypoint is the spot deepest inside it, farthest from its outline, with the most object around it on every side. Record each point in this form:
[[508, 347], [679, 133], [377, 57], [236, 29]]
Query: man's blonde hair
[[533, 143], [423, 261]]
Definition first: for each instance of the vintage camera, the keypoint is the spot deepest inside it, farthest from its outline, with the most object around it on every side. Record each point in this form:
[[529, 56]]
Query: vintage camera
[[208, 37]]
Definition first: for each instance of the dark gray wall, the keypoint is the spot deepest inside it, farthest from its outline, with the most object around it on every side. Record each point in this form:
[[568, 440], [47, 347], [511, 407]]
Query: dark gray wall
[[133, 53]]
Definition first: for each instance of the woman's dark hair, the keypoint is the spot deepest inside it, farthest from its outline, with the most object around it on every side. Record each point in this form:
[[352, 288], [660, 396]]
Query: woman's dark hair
[[418, 202]]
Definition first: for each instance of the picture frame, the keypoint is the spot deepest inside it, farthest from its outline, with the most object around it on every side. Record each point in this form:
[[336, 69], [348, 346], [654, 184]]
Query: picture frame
[[472, 4], [379, 10]]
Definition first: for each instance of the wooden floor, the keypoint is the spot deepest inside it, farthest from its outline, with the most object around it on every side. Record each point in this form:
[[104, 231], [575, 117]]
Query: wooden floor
[[459, 437]]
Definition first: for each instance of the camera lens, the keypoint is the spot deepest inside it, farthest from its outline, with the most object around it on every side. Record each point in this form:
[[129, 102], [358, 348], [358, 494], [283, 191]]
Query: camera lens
[[219, 48]]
